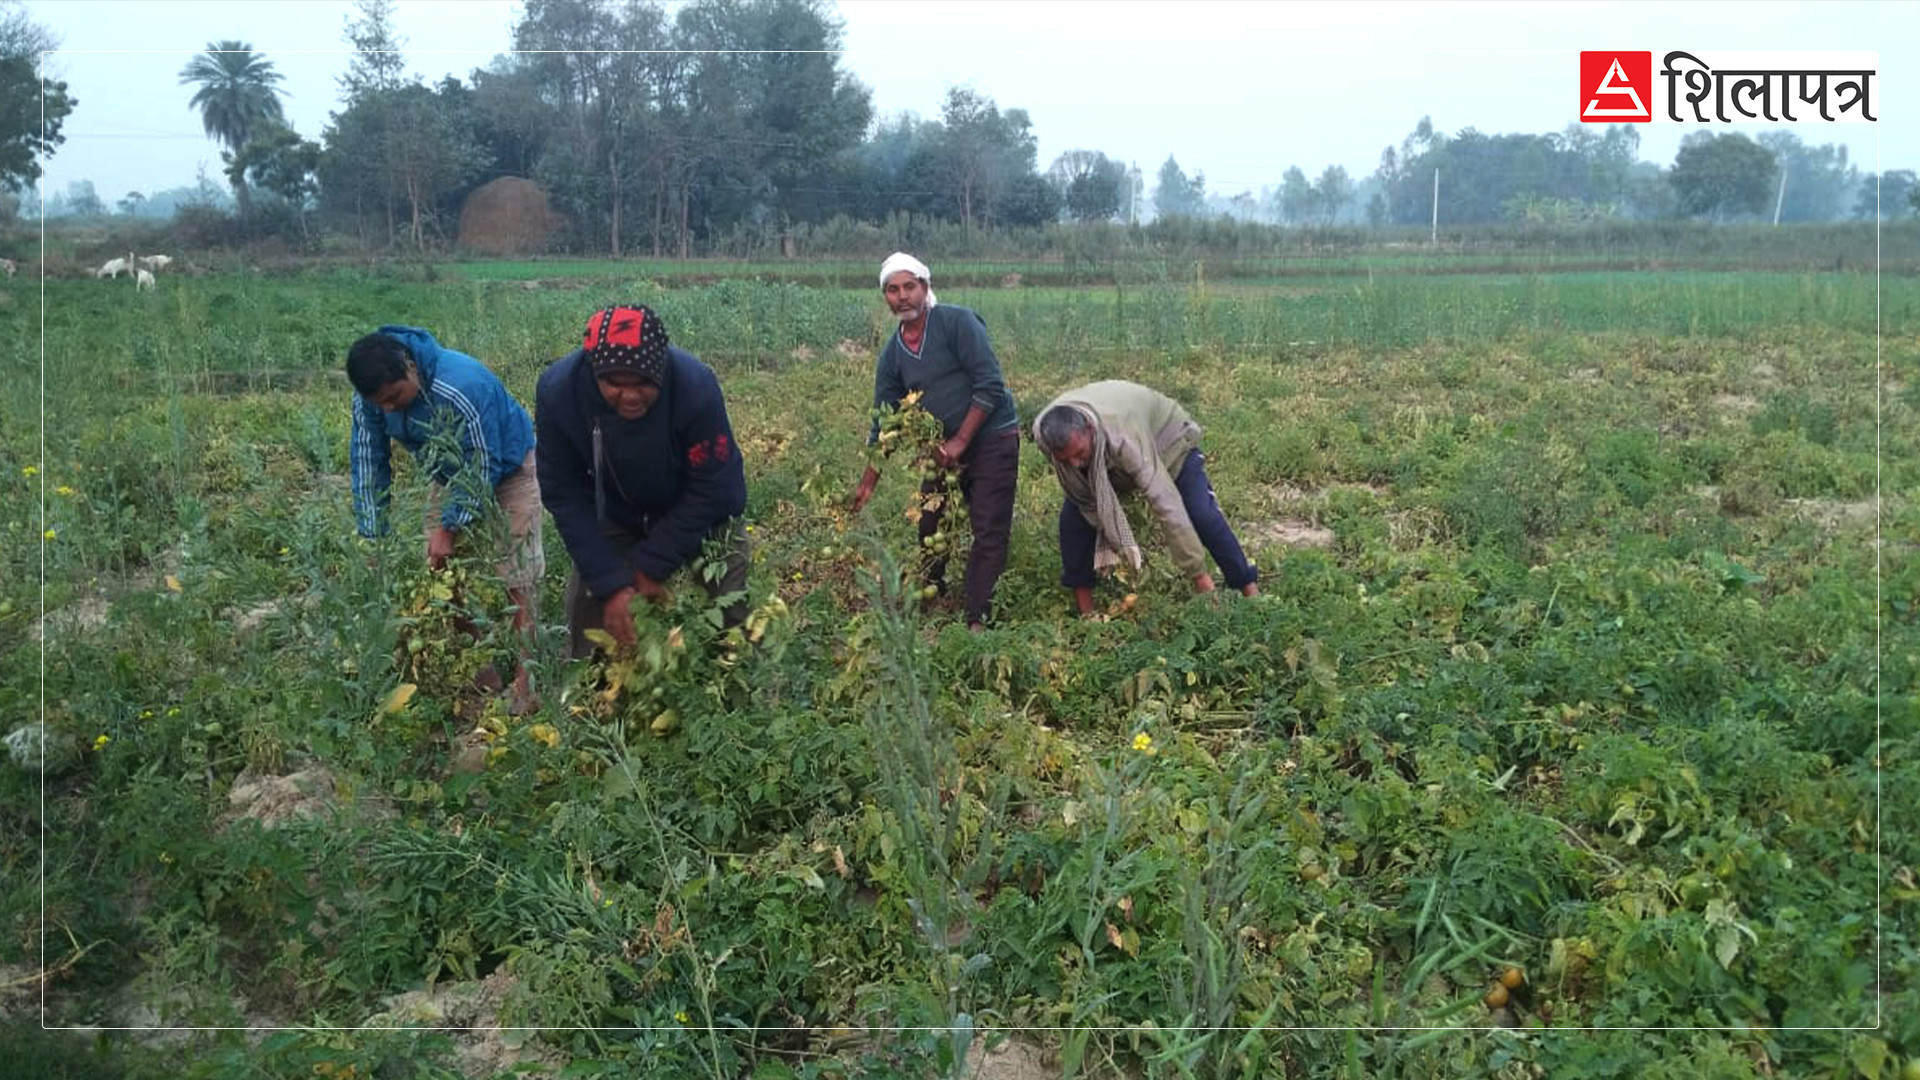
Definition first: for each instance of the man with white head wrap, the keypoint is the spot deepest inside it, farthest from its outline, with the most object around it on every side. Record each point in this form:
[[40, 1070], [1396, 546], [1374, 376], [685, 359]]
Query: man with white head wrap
[[942, 352], [899, 261]]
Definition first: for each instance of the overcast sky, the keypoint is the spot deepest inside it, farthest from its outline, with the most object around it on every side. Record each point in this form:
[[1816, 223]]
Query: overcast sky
[[1238, 90]]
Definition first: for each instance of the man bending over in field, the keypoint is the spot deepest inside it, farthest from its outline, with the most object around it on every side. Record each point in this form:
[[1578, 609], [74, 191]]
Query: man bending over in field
[[1109, 438], [942, 351], [466, 429], [639, 468]]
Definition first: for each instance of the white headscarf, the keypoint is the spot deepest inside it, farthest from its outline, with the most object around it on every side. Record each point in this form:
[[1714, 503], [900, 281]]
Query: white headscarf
[[899, 261]]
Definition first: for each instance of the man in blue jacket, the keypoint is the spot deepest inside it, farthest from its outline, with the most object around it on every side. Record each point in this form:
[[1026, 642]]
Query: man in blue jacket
[[640, 469], [473, 439]]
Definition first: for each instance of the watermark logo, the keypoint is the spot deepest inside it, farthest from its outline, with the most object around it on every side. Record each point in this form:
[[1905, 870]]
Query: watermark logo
[[1732, 88], [1728, 87], [1616, 87]]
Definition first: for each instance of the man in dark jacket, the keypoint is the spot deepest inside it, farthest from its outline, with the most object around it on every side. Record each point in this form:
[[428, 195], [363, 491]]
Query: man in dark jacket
[[942, 352], [639, 468]]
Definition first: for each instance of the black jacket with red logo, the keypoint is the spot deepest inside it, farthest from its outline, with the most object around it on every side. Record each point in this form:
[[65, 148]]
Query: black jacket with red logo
[[671, 477]]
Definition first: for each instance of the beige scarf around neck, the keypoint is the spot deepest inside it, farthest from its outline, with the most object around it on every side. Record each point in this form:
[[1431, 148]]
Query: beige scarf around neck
[[1116, 542]]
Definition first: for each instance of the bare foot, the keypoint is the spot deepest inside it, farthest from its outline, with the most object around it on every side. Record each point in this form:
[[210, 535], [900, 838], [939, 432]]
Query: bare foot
[[521, 699], [1252, 588], [486, 679], [469, 755]]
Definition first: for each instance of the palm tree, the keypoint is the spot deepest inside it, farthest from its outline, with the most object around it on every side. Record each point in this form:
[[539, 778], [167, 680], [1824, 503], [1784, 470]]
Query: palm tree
[[237, 96]]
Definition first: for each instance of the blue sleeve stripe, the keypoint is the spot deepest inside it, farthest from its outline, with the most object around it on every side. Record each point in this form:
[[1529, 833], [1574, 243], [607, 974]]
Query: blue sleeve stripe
[[458, 514], [470, 412], [366, 499]]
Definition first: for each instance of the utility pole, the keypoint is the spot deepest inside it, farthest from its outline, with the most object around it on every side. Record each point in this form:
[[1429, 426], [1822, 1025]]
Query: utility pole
[[1781, 198], [1433, 237]]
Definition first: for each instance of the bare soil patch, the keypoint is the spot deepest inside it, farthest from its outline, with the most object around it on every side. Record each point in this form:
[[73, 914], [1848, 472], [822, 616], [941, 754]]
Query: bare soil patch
[[470, 1013], [19, 989], [1295, 522], [1013, 1059], [1288, 494], [1292, 532], [1833, 513], [275, 800], [81, 616]]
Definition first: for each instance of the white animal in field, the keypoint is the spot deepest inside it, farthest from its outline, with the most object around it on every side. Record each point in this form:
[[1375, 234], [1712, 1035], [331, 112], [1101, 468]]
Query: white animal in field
[[113, 268], [9, 266], [142, 280], [155, 262]]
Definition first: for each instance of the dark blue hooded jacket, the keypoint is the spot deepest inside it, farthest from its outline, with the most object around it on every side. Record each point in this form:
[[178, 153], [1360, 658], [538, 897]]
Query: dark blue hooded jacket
[[670, 478], [490, 427]]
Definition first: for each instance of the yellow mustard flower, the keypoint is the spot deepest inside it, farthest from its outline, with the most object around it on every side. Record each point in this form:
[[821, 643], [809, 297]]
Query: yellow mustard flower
[[100, 741], [30, 471], [63, 490], [51, 533]]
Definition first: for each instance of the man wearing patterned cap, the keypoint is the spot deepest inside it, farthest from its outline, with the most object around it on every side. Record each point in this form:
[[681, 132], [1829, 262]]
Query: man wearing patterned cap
[[411, 388], [942, 351], [639, 468]]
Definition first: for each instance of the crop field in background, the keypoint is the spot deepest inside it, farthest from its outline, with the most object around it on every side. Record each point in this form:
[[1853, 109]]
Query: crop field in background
[[1586, 661]]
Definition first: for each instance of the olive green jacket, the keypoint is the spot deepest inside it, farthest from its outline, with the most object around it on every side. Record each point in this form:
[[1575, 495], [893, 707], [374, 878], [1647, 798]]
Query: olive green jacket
[[1148, 436]]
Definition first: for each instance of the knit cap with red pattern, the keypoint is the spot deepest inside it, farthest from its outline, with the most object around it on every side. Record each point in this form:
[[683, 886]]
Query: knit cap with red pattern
[[627, 338]]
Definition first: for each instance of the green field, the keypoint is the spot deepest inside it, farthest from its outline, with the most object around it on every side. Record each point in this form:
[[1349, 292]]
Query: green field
[[1587, 648]]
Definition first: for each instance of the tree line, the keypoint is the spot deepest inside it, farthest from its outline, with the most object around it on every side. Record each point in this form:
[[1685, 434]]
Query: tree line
[[648, 133], [660, 135], [1584, 173]]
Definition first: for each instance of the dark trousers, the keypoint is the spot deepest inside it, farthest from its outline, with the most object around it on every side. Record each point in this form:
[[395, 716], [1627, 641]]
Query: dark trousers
[[988, 472], [1077, 538], [587, 612]]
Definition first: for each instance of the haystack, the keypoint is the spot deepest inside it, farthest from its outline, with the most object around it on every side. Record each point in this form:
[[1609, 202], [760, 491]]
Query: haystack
[[508, 216]]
